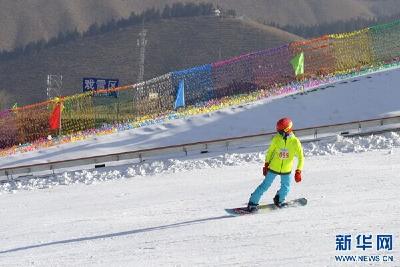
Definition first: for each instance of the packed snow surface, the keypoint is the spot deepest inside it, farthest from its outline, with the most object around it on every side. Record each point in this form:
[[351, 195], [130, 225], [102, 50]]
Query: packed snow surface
[[170, 212]]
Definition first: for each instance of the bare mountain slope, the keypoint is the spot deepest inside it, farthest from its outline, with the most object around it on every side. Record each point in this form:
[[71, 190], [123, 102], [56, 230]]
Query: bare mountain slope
[[24, 21], [172, 45]]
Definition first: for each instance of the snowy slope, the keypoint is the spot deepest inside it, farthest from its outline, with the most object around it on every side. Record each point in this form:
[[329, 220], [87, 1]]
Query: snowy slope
[[171, 212], [176, 217]]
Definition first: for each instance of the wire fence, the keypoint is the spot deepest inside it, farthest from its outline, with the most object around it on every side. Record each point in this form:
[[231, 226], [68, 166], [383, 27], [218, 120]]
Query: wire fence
[[264, 70]]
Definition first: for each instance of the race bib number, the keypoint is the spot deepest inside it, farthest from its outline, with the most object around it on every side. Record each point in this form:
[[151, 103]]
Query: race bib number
[[284, 154]]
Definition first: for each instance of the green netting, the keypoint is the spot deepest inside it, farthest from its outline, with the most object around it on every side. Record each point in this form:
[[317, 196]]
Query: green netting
[[386, 42]]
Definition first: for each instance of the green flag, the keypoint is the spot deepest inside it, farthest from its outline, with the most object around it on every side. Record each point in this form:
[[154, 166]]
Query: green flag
[[15, 106], [298, 64]]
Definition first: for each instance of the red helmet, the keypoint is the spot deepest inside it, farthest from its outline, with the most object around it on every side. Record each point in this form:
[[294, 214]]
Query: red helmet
[[284, 124]]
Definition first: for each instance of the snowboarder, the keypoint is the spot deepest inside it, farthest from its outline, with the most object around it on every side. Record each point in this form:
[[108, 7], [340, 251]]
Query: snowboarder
[[279, 161]]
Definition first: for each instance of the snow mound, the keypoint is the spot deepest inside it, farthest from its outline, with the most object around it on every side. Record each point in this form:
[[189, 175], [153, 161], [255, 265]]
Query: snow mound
[[339, 144], [330, 146]]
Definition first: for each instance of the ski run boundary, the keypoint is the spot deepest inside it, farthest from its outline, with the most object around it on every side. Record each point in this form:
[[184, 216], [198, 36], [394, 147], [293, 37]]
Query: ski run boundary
[[356, 128]]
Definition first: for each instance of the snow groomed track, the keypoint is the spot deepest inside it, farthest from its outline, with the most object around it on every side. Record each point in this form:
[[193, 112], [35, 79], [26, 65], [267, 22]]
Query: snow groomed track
[[170, 212], [171, 215]]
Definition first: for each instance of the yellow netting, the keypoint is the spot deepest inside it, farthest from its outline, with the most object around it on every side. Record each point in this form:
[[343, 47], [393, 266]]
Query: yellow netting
[[351, 50]]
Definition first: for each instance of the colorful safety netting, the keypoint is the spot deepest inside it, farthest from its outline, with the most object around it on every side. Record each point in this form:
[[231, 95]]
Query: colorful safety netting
[[207, 87]]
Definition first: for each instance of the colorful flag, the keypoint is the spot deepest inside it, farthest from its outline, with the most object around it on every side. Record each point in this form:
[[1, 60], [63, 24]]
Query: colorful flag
[[298, 64], [55, 118], [180, 96]]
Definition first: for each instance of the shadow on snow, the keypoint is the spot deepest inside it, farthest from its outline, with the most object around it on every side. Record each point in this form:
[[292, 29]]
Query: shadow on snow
[[124, 233]]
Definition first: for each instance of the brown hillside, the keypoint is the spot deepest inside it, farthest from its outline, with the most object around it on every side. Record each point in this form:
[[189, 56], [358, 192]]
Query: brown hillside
[[172, 45], [23, 21]]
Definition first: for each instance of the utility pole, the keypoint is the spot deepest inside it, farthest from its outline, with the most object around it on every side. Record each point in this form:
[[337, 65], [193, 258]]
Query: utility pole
[[217, 13], [141, 43], [54, 86]]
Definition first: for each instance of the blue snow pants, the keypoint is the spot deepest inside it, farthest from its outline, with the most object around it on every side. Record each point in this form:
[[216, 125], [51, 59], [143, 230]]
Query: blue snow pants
[[269, 178]]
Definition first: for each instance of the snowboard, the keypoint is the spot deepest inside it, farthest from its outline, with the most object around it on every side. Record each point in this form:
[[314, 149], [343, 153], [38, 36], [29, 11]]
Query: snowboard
[[265, 208]]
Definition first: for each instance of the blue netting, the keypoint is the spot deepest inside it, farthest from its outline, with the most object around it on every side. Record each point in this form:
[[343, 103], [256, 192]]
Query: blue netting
[[198, 84]]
